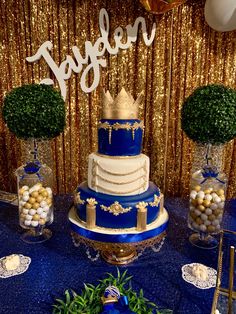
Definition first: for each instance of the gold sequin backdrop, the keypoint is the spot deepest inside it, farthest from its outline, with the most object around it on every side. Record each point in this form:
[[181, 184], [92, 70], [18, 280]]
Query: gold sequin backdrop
[[186, 53]]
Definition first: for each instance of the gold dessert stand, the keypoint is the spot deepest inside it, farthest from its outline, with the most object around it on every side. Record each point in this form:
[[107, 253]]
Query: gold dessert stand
[[119, 253], [116, 253]]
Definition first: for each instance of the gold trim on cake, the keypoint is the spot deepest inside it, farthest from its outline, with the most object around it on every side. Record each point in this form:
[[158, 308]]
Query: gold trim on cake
[[115, 209], [97, 164]]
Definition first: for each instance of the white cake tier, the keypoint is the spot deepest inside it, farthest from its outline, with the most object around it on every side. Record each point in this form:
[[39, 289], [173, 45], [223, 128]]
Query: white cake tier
[[118, 175]]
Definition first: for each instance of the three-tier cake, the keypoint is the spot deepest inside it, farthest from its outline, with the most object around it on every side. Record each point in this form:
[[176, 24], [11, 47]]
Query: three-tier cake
[[118, 204]]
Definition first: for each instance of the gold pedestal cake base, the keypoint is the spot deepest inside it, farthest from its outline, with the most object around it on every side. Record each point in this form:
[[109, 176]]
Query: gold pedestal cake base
[[118, 253]]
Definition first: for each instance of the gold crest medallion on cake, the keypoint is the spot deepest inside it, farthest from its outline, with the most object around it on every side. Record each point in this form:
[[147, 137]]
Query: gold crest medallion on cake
[[118, 212]]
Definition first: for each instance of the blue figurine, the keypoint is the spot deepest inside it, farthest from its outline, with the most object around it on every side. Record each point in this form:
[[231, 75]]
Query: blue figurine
[[114, 303]]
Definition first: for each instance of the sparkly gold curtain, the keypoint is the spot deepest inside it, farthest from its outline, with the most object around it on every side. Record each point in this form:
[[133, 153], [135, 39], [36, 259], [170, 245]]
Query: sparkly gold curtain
[[186, 53]]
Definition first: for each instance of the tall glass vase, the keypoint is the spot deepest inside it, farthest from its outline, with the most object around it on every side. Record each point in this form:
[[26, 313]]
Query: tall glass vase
[[207, 196], [34, 185]]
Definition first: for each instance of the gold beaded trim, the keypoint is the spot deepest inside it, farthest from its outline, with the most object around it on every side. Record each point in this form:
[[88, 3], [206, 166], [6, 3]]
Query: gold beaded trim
[[115, 209], [118, 183], [96, 163], [121, 193]]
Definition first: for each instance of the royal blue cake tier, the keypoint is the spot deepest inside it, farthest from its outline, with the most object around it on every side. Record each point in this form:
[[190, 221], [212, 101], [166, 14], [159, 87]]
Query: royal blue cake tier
[[120, 142], [128, 236], [124, 220]]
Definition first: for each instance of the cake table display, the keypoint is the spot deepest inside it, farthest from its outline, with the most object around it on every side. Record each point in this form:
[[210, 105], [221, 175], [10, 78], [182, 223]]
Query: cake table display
[[118, 212]]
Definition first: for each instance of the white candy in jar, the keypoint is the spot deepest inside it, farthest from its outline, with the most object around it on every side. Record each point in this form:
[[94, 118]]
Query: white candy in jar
[[215, 222], [46, 208], [200, 194], [220, 217], [207, 222], [218, 227], [217, 199], [213, 206], [39, 210], [25, 187], [49, 190], [25, 198], [29, 217], [25, 211], [27, 222], [32, 212], [197, 212], [213, 195], [208, 197], [193, 194], [208, 211], [221, 205], [43, 215], [195, 225], [204, 217], [22, 203], [43, 204], [34, 223], [192, 208], [203, 228]]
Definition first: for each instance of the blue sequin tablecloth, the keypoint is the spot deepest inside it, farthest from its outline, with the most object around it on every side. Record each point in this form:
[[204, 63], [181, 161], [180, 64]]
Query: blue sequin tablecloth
[[57, 265]]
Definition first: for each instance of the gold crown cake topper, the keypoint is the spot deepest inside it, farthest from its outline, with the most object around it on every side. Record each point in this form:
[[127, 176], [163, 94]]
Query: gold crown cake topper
[[122, 107]]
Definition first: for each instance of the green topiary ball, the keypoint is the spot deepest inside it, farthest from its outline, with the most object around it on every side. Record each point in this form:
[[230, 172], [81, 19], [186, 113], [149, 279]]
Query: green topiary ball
[[209, 114], [34, 111]]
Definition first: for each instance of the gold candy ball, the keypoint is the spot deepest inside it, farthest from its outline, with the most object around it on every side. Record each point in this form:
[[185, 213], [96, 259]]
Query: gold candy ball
[[36, 217], [36, 205], [220, 192], [199, 201], [42, 221], [197, 188], [211, 228], [201, 208], [32, 200], [28, 206], [35, 194], [39, 199], [211, 217], [206, 203], [44, 193]]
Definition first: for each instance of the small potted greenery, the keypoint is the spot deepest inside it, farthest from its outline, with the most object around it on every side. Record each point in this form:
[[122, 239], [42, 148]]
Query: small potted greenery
[[89, 300], [209, 119], [35, 113]]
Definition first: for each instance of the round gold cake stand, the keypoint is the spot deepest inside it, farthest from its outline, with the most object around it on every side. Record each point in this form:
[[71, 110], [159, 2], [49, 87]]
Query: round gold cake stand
[[118, 253]]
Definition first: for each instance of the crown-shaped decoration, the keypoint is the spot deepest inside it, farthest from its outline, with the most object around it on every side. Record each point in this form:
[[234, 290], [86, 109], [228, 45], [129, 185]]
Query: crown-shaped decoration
[[122, 107], [111, 295]]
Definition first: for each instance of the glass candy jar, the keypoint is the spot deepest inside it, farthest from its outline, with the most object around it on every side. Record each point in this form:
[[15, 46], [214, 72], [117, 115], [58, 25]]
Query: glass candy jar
[[34, 185], [207, 200]]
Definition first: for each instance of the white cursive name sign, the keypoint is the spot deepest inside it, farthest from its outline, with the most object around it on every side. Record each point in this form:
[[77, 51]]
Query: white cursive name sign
[[93, 53]]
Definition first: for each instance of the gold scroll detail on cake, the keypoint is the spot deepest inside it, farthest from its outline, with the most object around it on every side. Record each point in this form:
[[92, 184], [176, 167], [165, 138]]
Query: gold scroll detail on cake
[[156, 201], [119, 126], [77, 199], [122, 107], [115, 209]]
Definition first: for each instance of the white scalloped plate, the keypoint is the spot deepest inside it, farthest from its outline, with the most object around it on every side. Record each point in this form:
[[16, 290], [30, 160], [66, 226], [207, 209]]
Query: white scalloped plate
[[201, 284], [24, 265]]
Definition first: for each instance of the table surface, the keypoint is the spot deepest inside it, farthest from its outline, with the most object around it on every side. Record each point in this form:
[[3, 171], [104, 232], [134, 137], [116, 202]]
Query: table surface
[[57, 265]]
